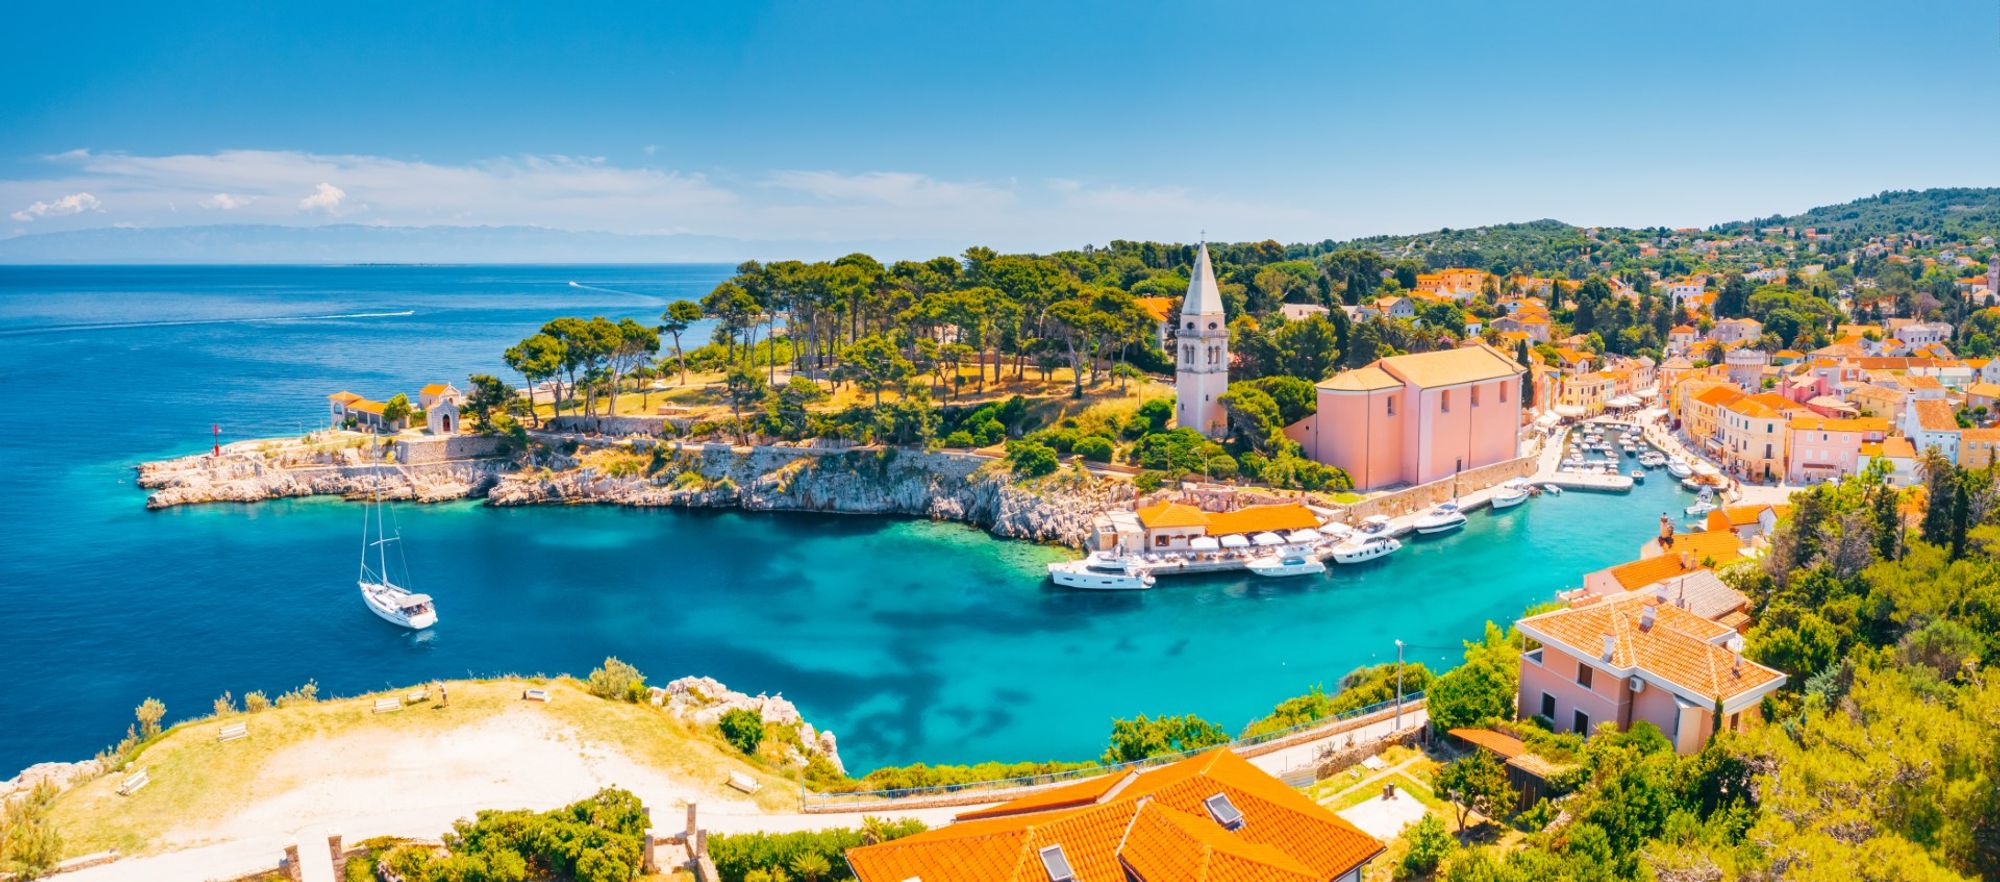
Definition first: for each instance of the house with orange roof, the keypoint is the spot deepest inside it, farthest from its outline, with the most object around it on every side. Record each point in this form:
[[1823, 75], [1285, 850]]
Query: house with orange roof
[[1213, 817], [337, 405], [1640, 658], [1746, 522], [1584, 395], [1681, 337], [1931, 423], [1657, 562], [1455, 283], [1162, 311], [1417, 418], [1738, 330], [1827, 449], [1874, 400], [1898, 456], [1702, 417], [1983, 394], [1975, 447], [1753, 433], [429, 396]]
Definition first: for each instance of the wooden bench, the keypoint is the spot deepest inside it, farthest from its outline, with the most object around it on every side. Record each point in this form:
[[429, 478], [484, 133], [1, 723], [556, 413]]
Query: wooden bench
[[387, 705], [744, 782], [233, 732], [535, 695], [418, 696], [134, 782]]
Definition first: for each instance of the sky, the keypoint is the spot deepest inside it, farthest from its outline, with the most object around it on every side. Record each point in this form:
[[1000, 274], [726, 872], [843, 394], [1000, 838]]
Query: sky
[[1026, 126]]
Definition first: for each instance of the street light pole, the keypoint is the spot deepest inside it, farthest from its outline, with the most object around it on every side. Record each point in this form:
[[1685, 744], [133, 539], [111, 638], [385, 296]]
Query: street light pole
[[1399, 685]]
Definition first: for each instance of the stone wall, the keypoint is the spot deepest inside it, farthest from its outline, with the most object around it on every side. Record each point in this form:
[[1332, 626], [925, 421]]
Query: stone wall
[[1423, 496], [658, 426], [440, 448]]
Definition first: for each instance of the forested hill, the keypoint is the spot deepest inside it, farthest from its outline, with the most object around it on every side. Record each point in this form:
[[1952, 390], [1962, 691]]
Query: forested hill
[[1953, 213]]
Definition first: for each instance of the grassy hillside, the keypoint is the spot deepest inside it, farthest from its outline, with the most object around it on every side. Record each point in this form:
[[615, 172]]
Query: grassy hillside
[[1952, 213]]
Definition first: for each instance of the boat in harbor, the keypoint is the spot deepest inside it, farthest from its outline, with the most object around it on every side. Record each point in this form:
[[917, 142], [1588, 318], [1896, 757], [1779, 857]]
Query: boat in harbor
[[389, 601], [1678, 467], [1652, 459], [1101, 572], [1365, 548], [1638, 476], [1510, 494], [1291, 563], [1552, 489], [1702, 505], [1444, 517], [1375, 523]]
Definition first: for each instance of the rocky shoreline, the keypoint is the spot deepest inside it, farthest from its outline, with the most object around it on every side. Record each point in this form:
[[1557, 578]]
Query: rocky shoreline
[[885, 481]]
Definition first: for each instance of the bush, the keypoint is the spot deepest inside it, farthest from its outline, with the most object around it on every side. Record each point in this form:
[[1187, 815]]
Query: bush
[[595, 840], [1094, 448], [29, 843], [1029, 459], [150, 712], [255, 701], [742, 728], [1221, 466], [960, 438], [306, 694], [1149, 480], [1142, 737], [921, 775], [749, 856], [617, 681], [1429, 844], [225, 705]]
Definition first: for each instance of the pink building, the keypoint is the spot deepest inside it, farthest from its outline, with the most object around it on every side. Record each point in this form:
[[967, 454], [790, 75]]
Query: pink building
[[1412, 419], [1826, 449], [1640, 658]]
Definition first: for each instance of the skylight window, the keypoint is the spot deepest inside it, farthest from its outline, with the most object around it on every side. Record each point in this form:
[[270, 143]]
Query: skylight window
[[1223, 811], [1054, 861]]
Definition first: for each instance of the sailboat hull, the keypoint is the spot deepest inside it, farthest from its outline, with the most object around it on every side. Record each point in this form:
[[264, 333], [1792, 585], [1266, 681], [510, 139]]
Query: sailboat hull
[[372, 595]]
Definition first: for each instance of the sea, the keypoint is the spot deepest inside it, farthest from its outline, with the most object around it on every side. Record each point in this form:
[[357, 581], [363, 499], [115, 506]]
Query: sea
[[913, 641]]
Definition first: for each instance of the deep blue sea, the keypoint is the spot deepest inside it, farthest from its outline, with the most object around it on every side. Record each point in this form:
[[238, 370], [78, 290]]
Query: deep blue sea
[[913, 641]]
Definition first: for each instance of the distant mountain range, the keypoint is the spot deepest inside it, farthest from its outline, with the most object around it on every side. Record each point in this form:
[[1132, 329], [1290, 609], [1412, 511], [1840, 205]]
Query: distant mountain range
[[361, 243], [1954, 212]]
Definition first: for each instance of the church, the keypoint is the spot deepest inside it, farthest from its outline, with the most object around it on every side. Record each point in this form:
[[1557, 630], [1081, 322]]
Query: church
[[1404, 419]]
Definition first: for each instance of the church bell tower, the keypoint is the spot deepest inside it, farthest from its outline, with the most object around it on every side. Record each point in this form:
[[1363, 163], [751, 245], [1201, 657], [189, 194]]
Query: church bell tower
[[1201, 368]]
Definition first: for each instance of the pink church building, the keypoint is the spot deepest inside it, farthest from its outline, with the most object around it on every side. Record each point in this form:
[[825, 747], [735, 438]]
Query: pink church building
[[1412, 419]]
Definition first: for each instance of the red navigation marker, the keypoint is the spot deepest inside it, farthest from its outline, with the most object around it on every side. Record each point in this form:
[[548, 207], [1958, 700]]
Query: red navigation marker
[[217, 429]]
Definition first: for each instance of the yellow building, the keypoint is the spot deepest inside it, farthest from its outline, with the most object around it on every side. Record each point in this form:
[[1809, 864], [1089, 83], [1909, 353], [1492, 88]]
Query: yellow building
[[1753, 430]]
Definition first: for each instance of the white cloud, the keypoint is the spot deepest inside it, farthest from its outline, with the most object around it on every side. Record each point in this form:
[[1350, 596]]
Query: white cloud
[[226, 202], [74, 203], [325, 197]]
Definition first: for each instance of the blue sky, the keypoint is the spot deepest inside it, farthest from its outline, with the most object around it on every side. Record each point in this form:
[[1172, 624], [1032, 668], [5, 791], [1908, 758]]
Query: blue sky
[[1021, 125]]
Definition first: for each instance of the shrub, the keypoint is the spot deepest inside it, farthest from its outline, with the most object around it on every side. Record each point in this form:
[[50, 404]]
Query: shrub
[[921, 775], [1094, 448], [29, 843], [150, 712], [1149, 480], [1221, 465], [306, 694], [597, 839], [225, 705], [749, 856], [1429, 844], [742, 728], [1029, 459], [617, 681], [1143, 737], [255, 701], [960, 438]]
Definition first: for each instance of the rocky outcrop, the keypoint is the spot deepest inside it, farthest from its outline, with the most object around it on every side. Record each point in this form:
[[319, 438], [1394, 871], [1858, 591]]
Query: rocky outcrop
[[703, 701], [949, 486], [59, 775], [250, 475]]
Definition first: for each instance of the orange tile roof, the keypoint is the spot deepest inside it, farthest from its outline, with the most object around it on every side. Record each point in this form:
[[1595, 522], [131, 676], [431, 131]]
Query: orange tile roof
[[1730, 517], [1836, 424], [1934, 415], [1682, 329], [1450, 367], [434, 389], [1680, 648], [1897, 446], [1646, 571], [1507, 746], [1160, 308], [1983, 390], [343, 397], [1719, 395], [1282, 517], [1361, 379], [1153, 824], [366, 406], [1171, 514]]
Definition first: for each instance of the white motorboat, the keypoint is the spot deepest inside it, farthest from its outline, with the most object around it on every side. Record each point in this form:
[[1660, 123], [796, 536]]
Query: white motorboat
[[1678, 467], [1290, 563], [1101, 572], [1365, 548], [389, 601], [1552, 489], [1444, 517], [1336, 532], [1703, 504], [1638, 476], [1510, 494], [1374, 523]]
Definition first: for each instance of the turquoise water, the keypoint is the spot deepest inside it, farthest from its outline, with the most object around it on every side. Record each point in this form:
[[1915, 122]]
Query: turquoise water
[[911, 640]]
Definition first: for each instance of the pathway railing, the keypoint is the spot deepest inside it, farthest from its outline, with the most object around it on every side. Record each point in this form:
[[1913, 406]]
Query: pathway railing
[[1002, 787]]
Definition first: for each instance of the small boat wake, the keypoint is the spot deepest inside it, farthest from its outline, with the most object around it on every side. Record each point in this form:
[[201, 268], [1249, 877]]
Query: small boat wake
[[583, 287]]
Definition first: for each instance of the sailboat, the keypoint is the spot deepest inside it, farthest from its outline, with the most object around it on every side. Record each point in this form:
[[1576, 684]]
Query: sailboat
[[393, 603]]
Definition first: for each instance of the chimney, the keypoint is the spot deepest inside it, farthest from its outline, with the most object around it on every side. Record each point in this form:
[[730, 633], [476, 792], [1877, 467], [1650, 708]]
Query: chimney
[[1646, 618], [1687, 561], [1610, 646]]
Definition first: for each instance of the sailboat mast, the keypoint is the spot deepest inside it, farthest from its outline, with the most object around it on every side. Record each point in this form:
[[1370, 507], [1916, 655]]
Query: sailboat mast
[[381, 536]]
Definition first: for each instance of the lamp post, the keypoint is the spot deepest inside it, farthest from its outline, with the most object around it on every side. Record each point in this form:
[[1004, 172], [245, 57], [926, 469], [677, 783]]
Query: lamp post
[[1399, 686]]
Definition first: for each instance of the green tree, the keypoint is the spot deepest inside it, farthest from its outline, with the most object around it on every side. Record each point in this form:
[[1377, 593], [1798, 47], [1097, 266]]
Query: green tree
[[150, 712], [1253, 418], [617, 681], [489, 395], [877, 365], [1030, 459], [539, 357], [1142, 737], [744, 388], [1430, 844], [1482, 689], [742, 728], [680, 315], [1476, 782], [396, 410]]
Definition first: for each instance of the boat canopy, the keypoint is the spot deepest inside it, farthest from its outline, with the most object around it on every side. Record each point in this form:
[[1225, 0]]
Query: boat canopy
[[1376, 519], [1204, 543], [1235, 540], [1268, 539], [1305, 535], [1568, 410], [415, 600]]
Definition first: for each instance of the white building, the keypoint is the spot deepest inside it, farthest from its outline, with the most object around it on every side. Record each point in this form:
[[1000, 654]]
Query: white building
[[1201, 374]]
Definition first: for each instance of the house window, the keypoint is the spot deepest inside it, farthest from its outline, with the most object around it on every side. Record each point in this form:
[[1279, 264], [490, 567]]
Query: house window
[[1160, 541], [1503, 392], [1581, 723], [1583, 676], [1475, 396], [1549, 707], [1392, 404], [1444, 401], [1736, 722]]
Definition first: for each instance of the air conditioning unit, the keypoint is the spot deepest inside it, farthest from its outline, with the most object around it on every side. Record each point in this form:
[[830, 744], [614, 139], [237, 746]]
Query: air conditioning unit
[[1636, 685]]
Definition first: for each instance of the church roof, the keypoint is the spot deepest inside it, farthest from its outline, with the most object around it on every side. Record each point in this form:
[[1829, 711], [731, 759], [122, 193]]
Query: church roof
[[1203, 296]]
